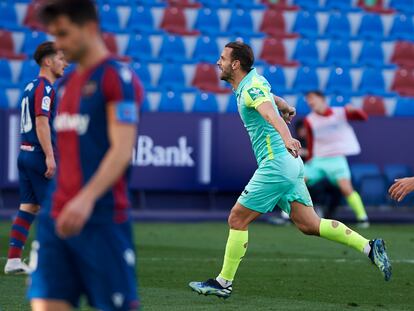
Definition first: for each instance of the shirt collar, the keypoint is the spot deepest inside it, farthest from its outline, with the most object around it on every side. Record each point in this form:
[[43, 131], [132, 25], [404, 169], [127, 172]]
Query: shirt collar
[[246, 78]]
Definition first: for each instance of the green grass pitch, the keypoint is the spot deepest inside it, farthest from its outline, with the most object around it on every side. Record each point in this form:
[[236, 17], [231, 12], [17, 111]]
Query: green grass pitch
[[282, 270]]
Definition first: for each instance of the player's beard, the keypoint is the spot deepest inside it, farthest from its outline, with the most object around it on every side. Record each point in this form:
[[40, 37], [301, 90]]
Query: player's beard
[[226, 74]]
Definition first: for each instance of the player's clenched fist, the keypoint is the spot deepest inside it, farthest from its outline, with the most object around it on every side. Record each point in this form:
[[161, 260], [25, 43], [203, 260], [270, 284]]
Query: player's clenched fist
[[293, 146]]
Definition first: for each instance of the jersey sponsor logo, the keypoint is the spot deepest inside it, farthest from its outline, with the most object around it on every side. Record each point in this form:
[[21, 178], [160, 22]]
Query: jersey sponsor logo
[[71, 122], [147, 153], [255, 93], [48, 89], [46, 103], [89, 89]]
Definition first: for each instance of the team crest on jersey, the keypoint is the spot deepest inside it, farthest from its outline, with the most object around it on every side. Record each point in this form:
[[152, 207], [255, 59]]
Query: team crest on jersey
[[46, 101], [89, 89], [255, 93]]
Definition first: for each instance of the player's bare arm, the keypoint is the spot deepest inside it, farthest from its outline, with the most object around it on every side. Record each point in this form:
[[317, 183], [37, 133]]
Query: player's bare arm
[[77, 211], [267, 111], [43, 134], [401, 188], [288, 112]]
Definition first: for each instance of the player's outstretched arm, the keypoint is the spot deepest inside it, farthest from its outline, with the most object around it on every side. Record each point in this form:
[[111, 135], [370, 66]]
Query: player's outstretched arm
[[401, 188], [288, 112], [43, 134], [122, 138], [267, 111]]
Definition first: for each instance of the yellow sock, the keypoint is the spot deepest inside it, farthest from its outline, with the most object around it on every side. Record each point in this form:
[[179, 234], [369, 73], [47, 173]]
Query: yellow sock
[[235, 249], [355, 202], [336, 231]]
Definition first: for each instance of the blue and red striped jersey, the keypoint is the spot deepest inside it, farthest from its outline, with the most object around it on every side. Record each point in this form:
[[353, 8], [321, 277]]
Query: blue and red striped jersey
[[38, 99], [82, 133]]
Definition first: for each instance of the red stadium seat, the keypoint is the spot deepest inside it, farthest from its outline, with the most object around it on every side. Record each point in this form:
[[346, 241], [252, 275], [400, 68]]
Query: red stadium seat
[[274, 53], [403, 54], [112, 46], [404, 82], [374, 106], [206, 79], [184, 3], [174, 21], [273, 23], [378, 7], [7, 46], [280, 5], [30, 20]]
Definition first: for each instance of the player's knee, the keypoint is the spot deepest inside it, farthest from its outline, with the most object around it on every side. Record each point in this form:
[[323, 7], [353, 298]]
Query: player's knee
[[235, 222]]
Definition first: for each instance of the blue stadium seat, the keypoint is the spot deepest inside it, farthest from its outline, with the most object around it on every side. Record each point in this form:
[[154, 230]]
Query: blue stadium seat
[[277, 79], [207, 22], [139, 47], [216, 4], [4, 102], [371, 54], [141, 20], [32, 40], [5, 74], [339, 81], [358, 171], [29, 71], [302, 107], [371, 26], [247, 5], [308, 4], [402, 27], [232, 105], [339, 53], [341, 5], [141, 69], [172, 49], [241, 23], [339, 101], [338, 26], [109, 18], [306, 52], [206, 50], [172, 76], [403, 5], [393, 171], [306, 80], [306, 24], [373, 190], [145, 107], [372, 82], [171, 102], [205, 102], [8, 15], [404, 107]]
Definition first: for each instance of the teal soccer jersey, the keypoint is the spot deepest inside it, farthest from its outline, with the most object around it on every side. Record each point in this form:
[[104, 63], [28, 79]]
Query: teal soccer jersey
[[278, 179]]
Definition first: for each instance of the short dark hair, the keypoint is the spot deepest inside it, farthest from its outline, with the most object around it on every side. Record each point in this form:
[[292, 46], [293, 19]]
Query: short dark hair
[[78, 11], [316, 92], [243, 53], [43, 50]]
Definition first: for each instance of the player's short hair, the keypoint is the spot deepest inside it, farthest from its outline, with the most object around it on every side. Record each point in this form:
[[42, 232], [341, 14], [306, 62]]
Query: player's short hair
[[316, 92], [243, 53], [78, 11], [43, 50]]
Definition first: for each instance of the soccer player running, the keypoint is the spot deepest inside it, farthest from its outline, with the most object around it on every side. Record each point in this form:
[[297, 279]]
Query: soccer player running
[[84, 243], [36, 161], [278, 179], [331, 138]]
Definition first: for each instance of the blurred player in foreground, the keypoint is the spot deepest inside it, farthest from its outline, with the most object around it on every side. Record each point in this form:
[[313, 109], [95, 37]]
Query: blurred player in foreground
[[401, 188], [278, 179], [84, 242], [329, 139], [36, 161]]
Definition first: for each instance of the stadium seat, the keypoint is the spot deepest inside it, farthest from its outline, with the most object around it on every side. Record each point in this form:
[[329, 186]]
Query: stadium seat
[[338, 26], [29, 71], [339, 53], [274, 53], [171, 102], [112, 45], [273, 24], [375, 7], [141, 69], [302, 107], [306, 80], [109, 18], [373, 190], [404, 107], [8, 15], [241, 23], [7, 46], [207, 21], [5, 74], [308, 5], [403, 54], [232, 105], [403, 82], [172, 49], [216, 4], [205, 102], [306, 24], [306, 52], [340, 5], [372, 82], [371, 54], [139, 47], [402, 28], [141, 20], [172, 76], [145, 106], [280, 5], [175, 22], [184, 4], [206, 50], [31, 20], [206, 79], [374, 105], [358, 171], [339, 101], [394, 171], [339, 81], [371, 26], [32, 40], [247, 5], [4, 102], [403, 5], [276, 77]]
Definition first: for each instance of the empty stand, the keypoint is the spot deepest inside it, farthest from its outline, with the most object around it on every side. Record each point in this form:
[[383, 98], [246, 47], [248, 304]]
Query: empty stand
[[374, 105], [206, 50], [306, 52], [273, 24], [403, 54], [339, 53], [338, 26], [371, 26], [171, 102], [404, 82], [404, 107], [175, 22], [7, 46], [306, 24], [207, 21], [339, 81], [274, 53], [306, 80], [402, 27], [205, 102], [206, 79]]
